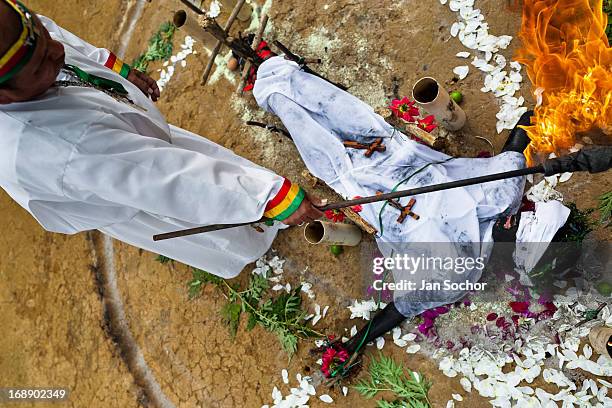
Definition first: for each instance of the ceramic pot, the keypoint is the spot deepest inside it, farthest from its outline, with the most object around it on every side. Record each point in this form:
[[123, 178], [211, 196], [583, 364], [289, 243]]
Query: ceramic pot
[[188, 23], [332, 233], [431, 97], [601, 340]]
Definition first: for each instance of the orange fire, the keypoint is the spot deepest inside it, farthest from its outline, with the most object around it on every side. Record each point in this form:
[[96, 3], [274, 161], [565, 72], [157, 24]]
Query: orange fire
[[566, 53]]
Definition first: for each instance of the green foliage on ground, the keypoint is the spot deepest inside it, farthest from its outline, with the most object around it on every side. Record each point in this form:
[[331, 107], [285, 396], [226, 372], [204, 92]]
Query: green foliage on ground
[[409, 387], [578, 225], [163, 259], [280, 314], [160, 47], [605, 207]]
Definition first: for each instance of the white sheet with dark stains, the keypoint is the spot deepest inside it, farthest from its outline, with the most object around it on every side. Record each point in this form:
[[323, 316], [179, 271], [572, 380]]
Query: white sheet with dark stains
[[320, 116]]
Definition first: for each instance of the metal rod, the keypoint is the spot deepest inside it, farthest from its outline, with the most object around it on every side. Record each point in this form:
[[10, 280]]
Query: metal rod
[[434, 188], [302, 63], [215, 52], [247, 66], [371, 199], [271, 128]]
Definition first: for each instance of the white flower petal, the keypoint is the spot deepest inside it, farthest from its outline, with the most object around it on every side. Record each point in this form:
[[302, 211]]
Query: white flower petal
[[454, 29], [326, 398], [413, 349], [396, 333], [461, 71], [466, 384]]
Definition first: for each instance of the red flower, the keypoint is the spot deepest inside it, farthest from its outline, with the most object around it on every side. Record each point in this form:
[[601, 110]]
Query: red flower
[[332, 359], [404, 108], [520, 307], [548, 312], [334, 215], [501, 322], [358, 207], [427, 123], [491, 317]]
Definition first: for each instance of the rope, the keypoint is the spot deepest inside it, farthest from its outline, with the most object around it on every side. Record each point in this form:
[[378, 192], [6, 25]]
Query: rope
[[394, 189]]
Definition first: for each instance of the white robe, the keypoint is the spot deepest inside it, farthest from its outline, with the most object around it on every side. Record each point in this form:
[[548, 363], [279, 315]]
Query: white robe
[[77, 159], [455, 223]]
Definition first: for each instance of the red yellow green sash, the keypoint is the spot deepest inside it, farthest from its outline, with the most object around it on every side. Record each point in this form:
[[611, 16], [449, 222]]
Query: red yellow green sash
[[286, 201], [117, 65]]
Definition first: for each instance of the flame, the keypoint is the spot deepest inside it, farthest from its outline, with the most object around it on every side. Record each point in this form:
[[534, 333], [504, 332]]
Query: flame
[[566, 52]]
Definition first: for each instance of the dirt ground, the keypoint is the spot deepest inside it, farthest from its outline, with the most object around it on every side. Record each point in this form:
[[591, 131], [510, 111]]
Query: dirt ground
[[52, 315]]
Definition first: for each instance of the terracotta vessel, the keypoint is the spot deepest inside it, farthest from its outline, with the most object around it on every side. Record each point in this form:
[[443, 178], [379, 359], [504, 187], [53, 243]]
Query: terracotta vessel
[[601, 340], [434, 99], [332, 233], [188, 22]]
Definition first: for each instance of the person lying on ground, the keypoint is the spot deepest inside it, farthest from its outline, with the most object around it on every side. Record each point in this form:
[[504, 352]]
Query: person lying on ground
[[456, 223], [83, 147]]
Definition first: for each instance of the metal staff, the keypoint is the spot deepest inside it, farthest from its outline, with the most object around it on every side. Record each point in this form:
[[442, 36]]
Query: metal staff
[[302, 63], [594, 159]]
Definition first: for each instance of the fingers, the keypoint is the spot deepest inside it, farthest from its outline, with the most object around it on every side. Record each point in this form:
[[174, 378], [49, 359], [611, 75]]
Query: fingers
[[306, 212], [318, 202], [154, 92], [145, 83], [313, 211]]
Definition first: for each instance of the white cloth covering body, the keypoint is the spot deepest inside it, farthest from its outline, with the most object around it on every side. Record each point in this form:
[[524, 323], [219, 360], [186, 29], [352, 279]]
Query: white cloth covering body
[[459, 221], [78, 159]]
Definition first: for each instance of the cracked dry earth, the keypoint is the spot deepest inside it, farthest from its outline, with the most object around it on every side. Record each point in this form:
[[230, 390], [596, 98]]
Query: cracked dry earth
[[54, 323]]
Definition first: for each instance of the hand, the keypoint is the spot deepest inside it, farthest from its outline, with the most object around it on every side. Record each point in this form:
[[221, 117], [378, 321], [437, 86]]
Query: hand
[[145, 83], [306, 212]]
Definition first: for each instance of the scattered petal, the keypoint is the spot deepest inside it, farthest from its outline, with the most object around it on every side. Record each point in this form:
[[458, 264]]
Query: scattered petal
[[461, 71], [413, 349], [326, 398]]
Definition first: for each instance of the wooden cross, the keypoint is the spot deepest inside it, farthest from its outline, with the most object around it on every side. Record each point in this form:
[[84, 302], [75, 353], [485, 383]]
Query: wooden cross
[[375, 146], [404, 210]]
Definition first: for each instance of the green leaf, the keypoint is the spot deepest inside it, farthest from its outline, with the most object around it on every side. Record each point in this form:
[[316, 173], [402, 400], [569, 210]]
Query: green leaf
[[605, 200], [160, 47], [252, 322], [230, 313], [387, 375], [163, 259], [206, 277]]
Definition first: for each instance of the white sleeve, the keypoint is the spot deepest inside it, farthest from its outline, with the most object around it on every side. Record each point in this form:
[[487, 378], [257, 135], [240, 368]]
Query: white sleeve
[[115, 165], [100, 55]]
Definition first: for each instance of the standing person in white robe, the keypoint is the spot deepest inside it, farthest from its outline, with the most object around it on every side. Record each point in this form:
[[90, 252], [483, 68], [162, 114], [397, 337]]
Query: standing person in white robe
[[83, 147]]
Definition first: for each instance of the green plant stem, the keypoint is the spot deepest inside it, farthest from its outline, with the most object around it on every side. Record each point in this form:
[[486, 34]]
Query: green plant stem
[[266, 319]]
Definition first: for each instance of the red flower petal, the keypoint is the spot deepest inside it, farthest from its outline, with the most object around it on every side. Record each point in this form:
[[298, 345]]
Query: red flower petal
[[501, 322], [491, 317], [519, 307]]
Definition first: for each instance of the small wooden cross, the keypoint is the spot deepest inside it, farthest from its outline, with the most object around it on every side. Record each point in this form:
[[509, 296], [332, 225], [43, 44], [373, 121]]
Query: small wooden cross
[[375, 146], [404, 210]]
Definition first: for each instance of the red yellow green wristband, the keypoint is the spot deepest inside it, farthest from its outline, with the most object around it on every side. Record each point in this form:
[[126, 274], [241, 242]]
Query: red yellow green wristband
[[286, 201], [117, 65]]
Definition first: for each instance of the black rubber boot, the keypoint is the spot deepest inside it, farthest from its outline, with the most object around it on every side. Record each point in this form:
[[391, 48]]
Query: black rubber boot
[[384, 321], [518, 139]]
